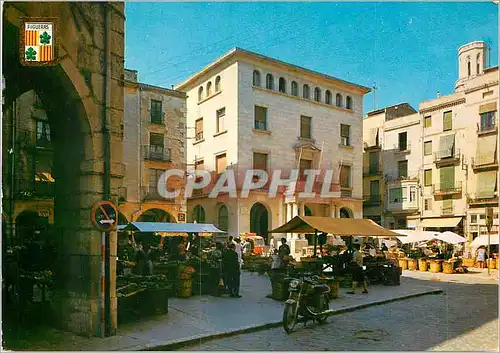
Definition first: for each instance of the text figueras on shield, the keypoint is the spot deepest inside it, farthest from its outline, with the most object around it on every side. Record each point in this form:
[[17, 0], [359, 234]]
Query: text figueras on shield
[[38, 42]]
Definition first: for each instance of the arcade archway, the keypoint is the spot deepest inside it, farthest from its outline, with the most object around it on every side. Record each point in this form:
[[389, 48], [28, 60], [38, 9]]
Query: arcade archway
[[156, 215], [259, 220]]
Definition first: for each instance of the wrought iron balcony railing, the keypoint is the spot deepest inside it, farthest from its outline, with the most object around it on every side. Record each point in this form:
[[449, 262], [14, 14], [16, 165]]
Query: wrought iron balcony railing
[[478, 163], [448, 188], [372, 200], [154, 153], [31, 139], [30, 189], [449, 155], [447, 210]]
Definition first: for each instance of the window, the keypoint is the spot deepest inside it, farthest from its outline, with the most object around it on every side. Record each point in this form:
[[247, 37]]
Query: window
[[305, 164], [223, 218], [42, 166], [374, 189], [154, 176], [428, 177], [305, 92], [487, 121], [260, 118], [328, 97], [338, 100], [427, 121], [199, 214], [396, 195], [220, 163], [199, 129], [200, 93], [295, 89], [317, 94], [427, 148], [473, 218], [256, 78], [345, 176], [282, 85], [345, 132], [156, 111], [305, 127], [260, 161], [217, 84], [374, 167], [156, 146], [209, 89], [403, 169], [483, 216], [221, 113], [42, 133], [468, 68], [269, 81], [428, 205], [348, 102], [198, 167], [403, 141], [447, 178], [478, 60], [447, 121], [413, 194]]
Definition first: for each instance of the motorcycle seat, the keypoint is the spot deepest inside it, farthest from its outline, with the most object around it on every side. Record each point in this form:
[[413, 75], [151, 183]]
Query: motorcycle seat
[[321, 288]]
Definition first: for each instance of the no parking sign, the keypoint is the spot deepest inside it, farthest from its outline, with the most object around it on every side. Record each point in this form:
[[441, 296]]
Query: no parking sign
[[104, 216]]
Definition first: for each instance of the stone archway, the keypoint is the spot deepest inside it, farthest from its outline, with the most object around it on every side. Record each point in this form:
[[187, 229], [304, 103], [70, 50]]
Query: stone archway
[[259, 220], [156, 215], [84, 119], [345, 213]]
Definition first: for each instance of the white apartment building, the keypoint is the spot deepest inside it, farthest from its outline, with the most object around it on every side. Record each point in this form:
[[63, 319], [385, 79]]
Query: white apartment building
[[247, 111], [391, 166], [451, 155], [460, 143]]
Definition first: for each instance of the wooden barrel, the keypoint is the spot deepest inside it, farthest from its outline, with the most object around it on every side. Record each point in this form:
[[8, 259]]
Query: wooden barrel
[[435, 266], [422, 265], [403, 263], [469, 262], [412, 264], [185, 288], [492, 264], [448, 267]]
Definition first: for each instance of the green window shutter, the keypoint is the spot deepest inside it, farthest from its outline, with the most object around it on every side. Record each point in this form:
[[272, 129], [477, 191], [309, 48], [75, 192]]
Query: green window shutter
[[374, 187], [428, 177], [447, 178], [427, 148], [374, 162], [447, 121]]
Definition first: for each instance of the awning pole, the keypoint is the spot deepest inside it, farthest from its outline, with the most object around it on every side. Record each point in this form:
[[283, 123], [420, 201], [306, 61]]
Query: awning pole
[[315, 241]]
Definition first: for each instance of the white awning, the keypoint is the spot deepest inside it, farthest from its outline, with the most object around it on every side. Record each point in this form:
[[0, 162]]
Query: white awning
[[444, 222], [483, 240], [413, 236], [451, 238]]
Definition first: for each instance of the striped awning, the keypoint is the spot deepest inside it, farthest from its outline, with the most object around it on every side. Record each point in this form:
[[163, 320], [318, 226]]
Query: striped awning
[[444, 222], [486, 147]]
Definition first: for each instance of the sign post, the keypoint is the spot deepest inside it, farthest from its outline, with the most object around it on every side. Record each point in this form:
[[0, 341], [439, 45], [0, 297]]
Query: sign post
[[489, 223], [104, 216]]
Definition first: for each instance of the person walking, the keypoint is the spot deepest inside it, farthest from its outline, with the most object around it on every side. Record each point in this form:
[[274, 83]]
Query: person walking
[[232, 272], [356, 267]]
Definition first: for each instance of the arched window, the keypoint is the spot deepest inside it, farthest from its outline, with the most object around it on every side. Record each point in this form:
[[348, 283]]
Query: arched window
[[199, 214], [348, 102], [328, 97], [209, 88], [317, 94], [217, 84], [345, 213], [282, 85], [295, 89], [478, 60], [269, 81], [256, 78], [200, 93], [223, 217], [338, 100], [305, 92], [468, 68]]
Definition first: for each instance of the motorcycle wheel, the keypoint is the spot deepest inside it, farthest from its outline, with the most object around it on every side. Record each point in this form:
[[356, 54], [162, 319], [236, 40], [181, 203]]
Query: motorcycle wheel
[[323, 318], [289, 317]]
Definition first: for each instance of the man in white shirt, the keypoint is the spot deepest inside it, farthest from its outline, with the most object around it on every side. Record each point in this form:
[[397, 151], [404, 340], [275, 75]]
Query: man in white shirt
[[357, 270], [238, 249]]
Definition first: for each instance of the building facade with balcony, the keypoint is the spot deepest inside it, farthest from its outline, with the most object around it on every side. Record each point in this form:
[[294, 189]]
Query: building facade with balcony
[[391, 166], [28, 182], [460, 141], [154, 141], [248, 111]]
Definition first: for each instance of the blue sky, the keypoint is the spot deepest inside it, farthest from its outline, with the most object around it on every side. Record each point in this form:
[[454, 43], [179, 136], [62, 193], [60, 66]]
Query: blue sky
[[408, 49]]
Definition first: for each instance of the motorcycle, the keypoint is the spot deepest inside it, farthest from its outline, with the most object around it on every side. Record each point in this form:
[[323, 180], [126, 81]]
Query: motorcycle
[[308, 299]]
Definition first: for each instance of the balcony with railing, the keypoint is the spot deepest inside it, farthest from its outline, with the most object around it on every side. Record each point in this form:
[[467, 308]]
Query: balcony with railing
[[150, 193], [372, 200], [402, 204], [33, 140], [447, 189], [483, 164], [447, 210], [157, 153], [30, 189], [402, 147], [481, 201], [486, 129], [446, 157], [371, 171]]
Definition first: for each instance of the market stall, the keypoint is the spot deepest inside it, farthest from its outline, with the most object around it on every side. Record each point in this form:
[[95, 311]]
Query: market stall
[[332, 268], [163, 260]]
